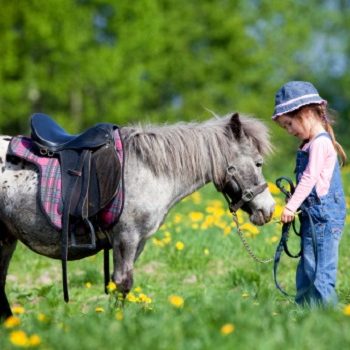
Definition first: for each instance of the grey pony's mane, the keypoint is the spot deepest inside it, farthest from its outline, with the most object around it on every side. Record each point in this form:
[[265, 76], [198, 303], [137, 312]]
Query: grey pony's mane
[[183, 149]]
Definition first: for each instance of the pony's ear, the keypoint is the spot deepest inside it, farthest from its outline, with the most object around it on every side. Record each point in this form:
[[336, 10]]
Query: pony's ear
[[235, 125]]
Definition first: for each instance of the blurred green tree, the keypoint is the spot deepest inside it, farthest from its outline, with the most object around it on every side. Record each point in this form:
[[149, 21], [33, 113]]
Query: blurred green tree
[[84, 61]]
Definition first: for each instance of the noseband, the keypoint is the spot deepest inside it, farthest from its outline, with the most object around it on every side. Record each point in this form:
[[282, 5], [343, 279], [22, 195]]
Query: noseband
[[233, 187]]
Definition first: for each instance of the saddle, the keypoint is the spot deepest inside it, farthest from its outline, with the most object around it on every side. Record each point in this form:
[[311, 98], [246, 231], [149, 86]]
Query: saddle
[[87, 161]]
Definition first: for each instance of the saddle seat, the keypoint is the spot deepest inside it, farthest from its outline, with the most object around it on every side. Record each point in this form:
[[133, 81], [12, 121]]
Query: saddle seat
[[53, 138]]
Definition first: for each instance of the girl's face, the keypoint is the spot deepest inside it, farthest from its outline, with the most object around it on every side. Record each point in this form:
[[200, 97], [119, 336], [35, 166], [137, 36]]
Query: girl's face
[[294, 126], [303, 124]]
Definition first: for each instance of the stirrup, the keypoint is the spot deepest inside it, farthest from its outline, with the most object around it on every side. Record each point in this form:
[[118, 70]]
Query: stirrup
[[92, 237]]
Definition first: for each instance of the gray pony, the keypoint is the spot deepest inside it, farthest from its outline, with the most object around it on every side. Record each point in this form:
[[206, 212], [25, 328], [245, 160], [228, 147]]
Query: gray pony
[[163, 164]]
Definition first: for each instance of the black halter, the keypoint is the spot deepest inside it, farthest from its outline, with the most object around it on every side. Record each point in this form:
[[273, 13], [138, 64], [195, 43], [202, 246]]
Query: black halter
[[234, 188], [237, 196]]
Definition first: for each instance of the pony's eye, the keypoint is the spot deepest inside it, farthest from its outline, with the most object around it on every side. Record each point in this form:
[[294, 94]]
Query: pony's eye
[[259, 164]]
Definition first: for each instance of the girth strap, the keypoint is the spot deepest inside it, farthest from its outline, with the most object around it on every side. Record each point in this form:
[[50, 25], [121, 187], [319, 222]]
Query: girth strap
[[75, 182], [106, 268]]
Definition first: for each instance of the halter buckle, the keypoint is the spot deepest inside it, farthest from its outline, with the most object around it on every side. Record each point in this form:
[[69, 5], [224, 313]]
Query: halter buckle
[[247, 195]]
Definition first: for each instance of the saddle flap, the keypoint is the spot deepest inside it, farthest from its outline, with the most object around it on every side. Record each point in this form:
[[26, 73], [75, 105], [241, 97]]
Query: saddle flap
[[105, 178], [75, 169]]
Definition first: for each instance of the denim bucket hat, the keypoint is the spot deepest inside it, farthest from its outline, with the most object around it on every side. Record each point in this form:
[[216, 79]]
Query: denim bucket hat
[[294, 95]]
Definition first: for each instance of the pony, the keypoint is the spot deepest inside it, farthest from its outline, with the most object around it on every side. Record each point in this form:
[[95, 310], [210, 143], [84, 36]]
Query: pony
[[163, 164]]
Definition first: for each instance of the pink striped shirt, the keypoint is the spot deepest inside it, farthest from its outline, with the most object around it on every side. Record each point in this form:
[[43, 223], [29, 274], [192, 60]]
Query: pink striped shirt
[[319, 171]]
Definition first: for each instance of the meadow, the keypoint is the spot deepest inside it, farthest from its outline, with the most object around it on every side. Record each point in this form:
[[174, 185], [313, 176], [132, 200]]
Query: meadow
[[195, 287]]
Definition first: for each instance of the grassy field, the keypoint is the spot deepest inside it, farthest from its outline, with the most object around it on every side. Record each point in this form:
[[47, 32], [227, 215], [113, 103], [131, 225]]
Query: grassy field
[[195, 288]]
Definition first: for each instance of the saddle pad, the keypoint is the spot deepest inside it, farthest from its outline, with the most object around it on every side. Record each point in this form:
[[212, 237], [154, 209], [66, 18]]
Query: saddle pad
[[50, 188]]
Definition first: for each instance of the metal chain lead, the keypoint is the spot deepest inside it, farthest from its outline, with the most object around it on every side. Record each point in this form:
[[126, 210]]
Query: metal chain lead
[[246, 245]]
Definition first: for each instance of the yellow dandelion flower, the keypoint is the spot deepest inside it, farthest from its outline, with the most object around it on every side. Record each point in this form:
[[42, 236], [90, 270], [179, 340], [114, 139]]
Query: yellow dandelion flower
[[111, 287], [196, 216], [132, 298], [179, 245], [240, 217], [137, 289], [18, 310], [206, 251], [176, 301], [215, 203], [41, 317], [11, 322], [99, 309], [196, 198], [19, 338], [88, 285], [210, 209], [208, 222], [273, 188], [245, 295], [166, 240], [274, 239], [204, 226], [163, 227], [34, 340], [157, 242], [143, 298], [177, 218], [278, 211], [250, 228], [227, 329], [119, 315], [219, 212], [220, 223], [346, 310], [227, 230]]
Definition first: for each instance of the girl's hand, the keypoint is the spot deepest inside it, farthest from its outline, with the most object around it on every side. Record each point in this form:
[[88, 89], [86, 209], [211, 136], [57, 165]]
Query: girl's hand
[[287, 215]]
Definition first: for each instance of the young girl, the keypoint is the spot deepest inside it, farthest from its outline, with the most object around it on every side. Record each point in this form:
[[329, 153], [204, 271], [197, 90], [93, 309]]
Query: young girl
[[301, 111]]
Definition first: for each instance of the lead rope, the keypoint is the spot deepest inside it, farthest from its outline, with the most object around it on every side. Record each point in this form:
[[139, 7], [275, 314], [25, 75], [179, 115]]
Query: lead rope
[[245, 243]]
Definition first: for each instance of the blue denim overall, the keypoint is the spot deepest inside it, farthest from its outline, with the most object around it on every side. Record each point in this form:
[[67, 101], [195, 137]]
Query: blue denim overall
[[328, 215]]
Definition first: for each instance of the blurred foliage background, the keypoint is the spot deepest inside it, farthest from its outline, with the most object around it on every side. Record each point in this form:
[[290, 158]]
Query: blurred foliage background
[[86, 61]]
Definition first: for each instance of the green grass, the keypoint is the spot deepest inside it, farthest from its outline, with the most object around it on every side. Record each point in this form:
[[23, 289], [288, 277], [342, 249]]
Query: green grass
[[219, 283]]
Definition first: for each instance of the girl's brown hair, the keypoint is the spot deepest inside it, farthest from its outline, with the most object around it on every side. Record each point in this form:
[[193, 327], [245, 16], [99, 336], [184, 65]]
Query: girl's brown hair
[[327, 118]]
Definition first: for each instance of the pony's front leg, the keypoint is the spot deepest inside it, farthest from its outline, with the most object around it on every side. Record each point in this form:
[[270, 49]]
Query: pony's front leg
[[7, 247], [125, 248]]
